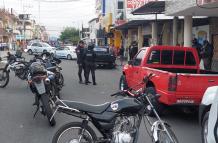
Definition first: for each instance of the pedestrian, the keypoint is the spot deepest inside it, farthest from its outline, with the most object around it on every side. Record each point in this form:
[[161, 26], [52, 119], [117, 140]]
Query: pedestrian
[[206, 53], [134, 50], [121, 53], [89, 60], [129, 51], [80, 61], [197, 46]]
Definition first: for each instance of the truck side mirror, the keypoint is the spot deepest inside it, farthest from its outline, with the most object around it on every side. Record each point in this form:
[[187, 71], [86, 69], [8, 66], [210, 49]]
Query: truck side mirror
[[130, 62]]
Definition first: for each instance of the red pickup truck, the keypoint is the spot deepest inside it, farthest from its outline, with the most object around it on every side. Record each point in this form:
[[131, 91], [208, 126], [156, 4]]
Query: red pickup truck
[[178, 78]]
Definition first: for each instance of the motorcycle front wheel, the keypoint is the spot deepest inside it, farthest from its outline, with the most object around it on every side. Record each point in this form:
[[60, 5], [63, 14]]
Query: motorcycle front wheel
[[72, 132], [4, 78], [164, 138], [47, 109]]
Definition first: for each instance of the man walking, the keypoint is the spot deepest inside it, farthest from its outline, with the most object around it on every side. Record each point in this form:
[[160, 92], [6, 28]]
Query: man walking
[[80, 61], [89, 59], [121, 54]]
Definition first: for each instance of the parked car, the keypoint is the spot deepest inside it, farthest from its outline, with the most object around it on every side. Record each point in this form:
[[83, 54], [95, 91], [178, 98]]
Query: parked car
[[65, 52], [179, 79], [104, 57], [208, 115], [39, 47]]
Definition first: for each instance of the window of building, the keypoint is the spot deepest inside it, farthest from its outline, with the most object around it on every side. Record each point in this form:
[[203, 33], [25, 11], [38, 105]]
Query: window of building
[[120, 4], [139, 57], [154, 57], [190, 59], [166, 57], [179, 57]]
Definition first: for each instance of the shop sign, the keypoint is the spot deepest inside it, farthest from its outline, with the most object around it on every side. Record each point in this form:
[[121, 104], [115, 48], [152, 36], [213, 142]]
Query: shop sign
[[19, 37], [202, 2], [133, 4]]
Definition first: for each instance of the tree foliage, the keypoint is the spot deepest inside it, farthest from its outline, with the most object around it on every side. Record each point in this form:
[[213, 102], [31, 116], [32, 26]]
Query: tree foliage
[[70, 34]]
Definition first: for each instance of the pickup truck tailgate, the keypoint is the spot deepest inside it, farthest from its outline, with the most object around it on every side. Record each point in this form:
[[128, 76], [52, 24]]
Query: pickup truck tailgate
[[191, 87]]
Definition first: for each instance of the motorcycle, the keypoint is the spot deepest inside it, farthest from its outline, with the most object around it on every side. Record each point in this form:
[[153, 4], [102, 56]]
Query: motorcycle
[[13, 63], [40, 80], [53, 64], [118, 121]]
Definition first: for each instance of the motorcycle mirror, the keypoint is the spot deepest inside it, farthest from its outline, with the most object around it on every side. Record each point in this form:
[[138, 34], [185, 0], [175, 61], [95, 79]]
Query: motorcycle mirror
[[130, 62]]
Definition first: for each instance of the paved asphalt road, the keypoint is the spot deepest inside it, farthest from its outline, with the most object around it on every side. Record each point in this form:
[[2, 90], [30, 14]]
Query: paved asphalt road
[[17, 124]]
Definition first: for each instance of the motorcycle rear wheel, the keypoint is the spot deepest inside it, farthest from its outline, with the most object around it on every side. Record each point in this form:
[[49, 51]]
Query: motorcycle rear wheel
[[164, 138], [65, 134], [47, 109], [4, 76]]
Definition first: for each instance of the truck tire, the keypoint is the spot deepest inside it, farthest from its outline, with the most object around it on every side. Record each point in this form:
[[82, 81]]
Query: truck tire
[[204, 128], [151, 93], [123, 83]]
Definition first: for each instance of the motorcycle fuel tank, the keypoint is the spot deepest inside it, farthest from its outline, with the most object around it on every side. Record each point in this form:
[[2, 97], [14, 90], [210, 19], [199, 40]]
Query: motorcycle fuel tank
[[126, 105]]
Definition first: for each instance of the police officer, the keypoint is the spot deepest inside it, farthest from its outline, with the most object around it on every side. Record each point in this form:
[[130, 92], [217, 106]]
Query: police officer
[[80, 61], [89, 59]]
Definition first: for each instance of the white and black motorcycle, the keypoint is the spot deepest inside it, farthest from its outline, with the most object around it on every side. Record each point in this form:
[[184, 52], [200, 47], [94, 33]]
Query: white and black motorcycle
[[12, 63]]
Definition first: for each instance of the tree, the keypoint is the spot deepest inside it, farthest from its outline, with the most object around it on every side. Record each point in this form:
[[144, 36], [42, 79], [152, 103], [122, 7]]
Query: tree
[[70, 34]]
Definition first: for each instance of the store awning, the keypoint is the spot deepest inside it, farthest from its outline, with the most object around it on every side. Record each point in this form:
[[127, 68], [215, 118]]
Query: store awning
[[155, 7], [132, 24]]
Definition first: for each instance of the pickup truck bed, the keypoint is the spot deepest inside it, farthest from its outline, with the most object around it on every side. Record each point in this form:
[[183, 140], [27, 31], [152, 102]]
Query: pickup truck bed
[[178, 79]]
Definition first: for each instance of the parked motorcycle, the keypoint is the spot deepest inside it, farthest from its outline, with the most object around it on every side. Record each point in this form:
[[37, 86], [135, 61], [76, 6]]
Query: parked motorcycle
[[40, 82], [13, 63], [118, 121], [53, 64]]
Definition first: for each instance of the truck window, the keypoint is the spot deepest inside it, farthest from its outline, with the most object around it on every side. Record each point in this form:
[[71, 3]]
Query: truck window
[[179, 57], [139, 57], [190, 59], [154, 57], [166, 57]]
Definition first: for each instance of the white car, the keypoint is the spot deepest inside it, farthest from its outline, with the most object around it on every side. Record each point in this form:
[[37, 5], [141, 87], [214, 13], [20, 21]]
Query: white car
[[208, 115], [66, 52], [40, 47]]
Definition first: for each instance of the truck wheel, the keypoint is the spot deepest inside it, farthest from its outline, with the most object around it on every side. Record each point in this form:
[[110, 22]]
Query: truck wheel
[[30, 52], [204, 128], [123, 83], [151, 93]]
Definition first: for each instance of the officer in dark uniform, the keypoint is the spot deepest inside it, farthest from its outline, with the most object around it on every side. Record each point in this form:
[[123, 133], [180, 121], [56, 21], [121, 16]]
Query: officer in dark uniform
[[80, 61], [89, 59]]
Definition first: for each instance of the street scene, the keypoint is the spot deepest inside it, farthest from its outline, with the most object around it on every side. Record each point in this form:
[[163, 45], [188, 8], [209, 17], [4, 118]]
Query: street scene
[[108, 71]]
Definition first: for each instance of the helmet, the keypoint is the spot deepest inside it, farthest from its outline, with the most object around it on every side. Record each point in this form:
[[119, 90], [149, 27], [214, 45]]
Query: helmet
[[37, 68]]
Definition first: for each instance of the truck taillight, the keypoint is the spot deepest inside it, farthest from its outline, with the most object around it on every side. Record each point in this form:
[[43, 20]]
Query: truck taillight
[[172, 83]]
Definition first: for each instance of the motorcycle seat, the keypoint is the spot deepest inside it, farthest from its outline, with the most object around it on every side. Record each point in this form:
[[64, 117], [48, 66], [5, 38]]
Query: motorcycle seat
[[84, 107]]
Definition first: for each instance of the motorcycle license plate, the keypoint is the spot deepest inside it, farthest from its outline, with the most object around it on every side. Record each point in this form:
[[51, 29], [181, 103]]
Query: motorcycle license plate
[[40, 87]]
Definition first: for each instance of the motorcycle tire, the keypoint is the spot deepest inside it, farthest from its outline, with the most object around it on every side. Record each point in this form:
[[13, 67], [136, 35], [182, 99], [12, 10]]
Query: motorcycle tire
[[151, 93], [61, 80], [47, 109], [164, 138], [6, 80], [74, 125]]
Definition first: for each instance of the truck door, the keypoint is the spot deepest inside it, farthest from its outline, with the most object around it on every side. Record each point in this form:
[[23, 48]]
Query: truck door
[[137, 67]]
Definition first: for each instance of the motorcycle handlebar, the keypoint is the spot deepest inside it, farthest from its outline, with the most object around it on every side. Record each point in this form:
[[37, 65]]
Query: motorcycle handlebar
[[128, 91]]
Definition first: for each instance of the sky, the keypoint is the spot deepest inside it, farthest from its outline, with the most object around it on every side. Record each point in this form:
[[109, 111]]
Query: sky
[[55, 15]]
